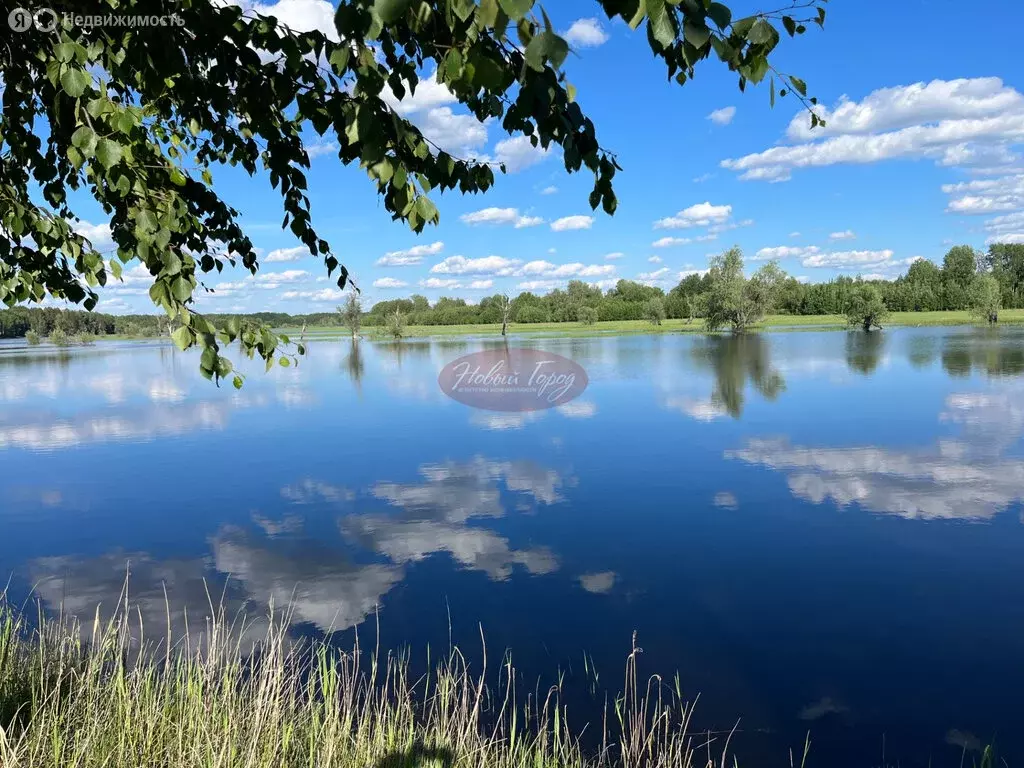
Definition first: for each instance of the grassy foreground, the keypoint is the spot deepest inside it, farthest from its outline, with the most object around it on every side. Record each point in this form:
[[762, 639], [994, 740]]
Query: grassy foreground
[[625, 327], [101, 697]]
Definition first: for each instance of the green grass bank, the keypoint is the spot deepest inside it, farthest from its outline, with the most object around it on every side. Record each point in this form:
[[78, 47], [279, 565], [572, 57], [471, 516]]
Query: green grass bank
[[627, 327]]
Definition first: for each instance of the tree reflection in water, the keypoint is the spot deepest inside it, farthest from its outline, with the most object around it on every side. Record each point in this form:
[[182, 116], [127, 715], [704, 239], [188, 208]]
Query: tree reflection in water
[[736, 361]]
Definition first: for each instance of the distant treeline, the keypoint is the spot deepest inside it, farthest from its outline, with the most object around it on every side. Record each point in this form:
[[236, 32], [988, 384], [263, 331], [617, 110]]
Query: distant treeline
[[925, 287]]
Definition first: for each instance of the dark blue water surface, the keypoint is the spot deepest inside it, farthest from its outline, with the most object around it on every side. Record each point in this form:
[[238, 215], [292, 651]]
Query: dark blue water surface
[[820, 531]]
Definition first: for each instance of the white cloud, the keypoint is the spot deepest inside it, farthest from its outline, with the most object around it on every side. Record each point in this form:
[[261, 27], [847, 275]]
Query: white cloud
[[300, 15], [438, 283], [500, 216], [1012, 237], [846, 234], [667, 242], [585, 33], [97, 234], [654, 259], [702, 178], [546, 269], [322, 148], [429, 94], [794, 234], [325, 295], [683, 274], [287, 254], [459, 135], [481, 285], [614, 256], [950, 121], [517, 153], [652, 278], [567, 223], [848, 259], [389, 282], [411, 256], [486, 265], [549, 190], [699, 215], [785, 252], [722, 116]]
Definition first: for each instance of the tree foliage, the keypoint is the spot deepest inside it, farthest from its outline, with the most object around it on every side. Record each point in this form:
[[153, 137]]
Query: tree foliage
[[138, 117], [394, 324], [985, 299], [735, 301], [654, 311], [586, 315], [351, 313], [866, 308]]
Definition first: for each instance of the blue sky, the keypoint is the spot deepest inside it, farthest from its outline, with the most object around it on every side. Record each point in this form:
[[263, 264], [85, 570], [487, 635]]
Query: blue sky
[[925, 120]]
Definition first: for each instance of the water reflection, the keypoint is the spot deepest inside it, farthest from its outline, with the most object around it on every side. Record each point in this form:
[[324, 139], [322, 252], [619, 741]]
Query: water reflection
[[864, 350], [355, 365], [736, 361], [958, 479], [985, 350]]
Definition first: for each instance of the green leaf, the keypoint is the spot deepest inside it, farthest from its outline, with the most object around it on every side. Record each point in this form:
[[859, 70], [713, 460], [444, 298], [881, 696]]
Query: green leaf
[[237, 381], [696, 34], [177, 178], [285, 362], [516, 9], [798, 84], [761, 32], [74, 82], [660, 21], [391, 10], [720, 14], [85, 139], [789, 24], [182, 337], [108, 152], [181, 288]]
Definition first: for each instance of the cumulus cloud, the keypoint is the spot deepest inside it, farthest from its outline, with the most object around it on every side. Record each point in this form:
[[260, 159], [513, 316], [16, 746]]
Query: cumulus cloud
[[655, 277], [287, 254], [518, 153], [498, 266], [481, 285], [585, 33], [300, 15], [324, 295], [700, 215], [941, 120], [428, 94], [654, 259], [389, 282], [500, 216], [725, 500], [411, 256], [97, 234], [786, 252], [322, 148], [846, 234], [437, 283], [667, 242], [567, 223], [722, 116], [546, 269], [845, 259], [549, 190], [614, 256]]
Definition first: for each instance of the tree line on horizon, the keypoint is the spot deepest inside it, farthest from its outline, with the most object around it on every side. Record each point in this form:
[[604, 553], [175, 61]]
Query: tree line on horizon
[[720, 297]]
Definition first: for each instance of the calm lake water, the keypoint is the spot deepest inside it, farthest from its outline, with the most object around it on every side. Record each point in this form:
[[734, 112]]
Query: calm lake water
[[819, 530]]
